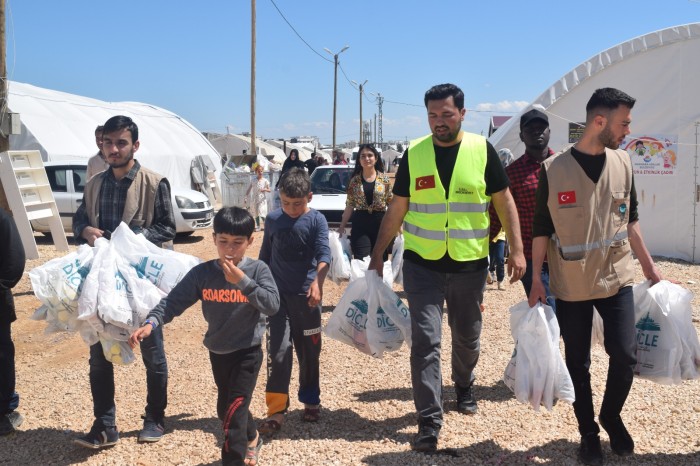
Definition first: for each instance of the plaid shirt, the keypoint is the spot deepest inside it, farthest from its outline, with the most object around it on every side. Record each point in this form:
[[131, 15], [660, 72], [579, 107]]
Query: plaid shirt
[[524, 176], [111, 208]]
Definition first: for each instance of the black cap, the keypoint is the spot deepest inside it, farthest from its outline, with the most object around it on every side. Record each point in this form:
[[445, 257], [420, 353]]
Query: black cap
[[533, 114]]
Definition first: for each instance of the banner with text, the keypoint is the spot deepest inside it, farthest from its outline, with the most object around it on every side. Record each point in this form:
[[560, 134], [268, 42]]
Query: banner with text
[[652, 155]]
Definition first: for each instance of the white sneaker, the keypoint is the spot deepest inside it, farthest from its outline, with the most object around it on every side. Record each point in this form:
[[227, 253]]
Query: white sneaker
[[489, 278], [500, 286]]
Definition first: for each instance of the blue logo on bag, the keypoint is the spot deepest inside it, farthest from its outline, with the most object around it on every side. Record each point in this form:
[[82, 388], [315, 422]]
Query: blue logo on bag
[[383, 320], [357, 313], [647, 331]]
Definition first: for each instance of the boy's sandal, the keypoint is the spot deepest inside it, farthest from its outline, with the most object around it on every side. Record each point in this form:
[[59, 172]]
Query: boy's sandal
[[269, 426], [252, 453], [311, 414]]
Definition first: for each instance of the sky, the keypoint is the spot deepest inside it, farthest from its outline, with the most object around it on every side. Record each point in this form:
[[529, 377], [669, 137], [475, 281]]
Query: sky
[[194, 58]]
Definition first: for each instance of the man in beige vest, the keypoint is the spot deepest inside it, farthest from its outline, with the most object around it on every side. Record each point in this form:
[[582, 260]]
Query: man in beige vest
[[586, 221], [132, 194], [97, 162]]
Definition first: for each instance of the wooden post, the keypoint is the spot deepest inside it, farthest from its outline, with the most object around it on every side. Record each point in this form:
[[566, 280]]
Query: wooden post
[[4, 138], [252, 80]]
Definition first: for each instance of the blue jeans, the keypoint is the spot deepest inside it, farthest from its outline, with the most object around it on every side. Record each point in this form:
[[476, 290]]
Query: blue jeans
[[526, 280], [102, 381], [9, 399], [575, 320], [427, 292], [496, 259]]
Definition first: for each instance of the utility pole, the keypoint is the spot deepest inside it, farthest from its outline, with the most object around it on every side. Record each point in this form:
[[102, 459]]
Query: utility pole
[[4, 138], [252, 79], [335, 87], [361, 123], [380, 101], [375, 129]]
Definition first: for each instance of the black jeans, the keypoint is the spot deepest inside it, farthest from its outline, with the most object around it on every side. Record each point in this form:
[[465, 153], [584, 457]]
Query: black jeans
[[102, 381], [9, 399], [365, 227], [235, 375], [575, 320]]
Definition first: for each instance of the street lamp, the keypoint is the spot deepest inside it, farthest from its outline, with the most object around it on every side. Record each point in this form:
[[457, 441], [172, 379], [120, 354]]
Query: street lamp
[[361, 86], [335, 85]]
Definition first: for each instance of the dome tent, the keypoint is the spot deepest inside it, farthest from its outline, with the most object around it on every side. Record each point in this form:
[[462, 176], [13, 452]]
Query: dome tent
[[660, 70], [61, 126]]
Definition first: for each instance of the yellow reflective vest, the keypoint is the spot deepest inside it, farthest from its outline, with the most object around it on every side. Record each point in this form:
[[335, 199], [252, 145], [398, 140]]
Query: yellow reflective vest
[[459, 223]]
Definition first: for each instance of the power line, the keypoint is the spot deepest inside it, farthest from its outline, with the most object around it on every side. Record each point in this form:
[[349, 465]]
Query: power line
[[299, 35]]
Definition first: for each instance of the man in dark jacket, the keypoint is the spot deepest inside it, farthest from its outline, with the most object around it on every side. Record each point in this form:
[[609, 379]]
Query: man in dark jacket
[[12, 261]]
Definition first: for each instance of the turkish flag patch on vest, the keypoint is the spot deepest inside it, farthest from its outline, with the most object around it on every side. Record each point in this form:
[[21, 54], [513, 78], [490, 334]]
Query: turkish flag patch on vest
[[425, 182], [567, 197]]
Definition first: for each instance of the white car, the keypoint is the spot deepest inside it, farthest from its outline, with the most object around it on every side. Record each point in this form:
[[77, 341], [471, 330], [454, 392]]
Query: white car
[[329, 184], [192, 209]]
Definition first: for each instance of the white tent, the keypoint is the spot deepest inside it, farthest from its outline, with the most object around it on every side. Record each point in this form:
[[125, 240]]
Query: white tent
[[661, 71], [235, 144], [286, 147], [62, 126]]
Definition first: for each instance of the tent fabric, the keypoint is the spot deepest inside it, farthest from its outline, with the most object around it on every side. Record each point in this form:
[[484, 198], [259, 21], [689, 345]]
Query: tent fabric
[[61, 126], [660, 70], [235, 144]]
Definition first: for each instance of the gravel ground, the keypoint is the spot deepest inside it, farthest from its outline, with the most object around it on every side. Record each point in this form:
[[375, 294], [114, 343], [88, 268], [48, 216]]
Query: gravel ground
[[368, 415]]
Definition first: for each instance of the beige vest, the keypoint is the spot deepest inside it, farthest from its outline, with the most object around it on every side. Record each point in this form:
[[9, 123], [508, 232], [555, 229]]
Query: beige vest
[[589, 255], [140, 199]]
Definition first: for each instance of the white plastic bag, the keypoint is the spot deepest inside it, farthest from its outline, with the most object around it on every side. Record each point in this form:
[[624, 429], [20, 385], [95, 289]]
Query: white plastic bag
[[124, 299], [340, 263], [58, 285], [359, 267], [347, 247], [668, 350], [397, 259], [370, 317], [597, 334], [117, 352], [536, 372], [392, 324], [162, 267], [348, 322]]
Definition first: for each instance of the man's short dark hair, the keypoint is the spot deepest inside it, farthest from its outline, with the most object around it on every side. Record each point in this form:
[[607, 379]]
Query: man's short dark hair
[[99, 129], [119, 123], [608, 98], [234, 221], [295, 183], [443, 91]]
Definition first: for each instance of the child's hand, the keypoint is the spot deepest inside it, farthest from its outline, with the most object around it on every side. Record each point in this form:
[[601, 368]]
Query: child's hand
[[138, 336], [231, 272], [314, 294]]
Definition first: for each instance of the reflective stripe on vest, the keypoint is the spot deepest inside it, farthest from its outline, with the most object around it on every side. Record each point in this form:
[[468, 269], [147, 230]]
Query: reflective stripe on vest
[[585, 247], [433, 225]]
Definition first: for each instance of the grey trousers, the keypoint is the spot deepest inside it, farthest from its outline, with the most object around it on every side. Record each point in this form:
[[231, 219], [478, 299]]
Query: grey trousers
[[427, 291]]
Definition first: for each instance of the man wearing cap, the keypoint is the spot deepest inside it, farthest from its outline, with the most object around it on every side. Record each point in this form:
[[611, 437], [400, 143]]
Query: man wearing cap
[[524, 176]]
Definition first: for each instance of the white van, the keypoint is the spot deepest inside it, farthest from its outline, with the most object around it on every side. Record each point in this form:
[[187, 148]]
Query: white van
[[192, 209]]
